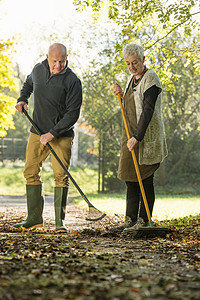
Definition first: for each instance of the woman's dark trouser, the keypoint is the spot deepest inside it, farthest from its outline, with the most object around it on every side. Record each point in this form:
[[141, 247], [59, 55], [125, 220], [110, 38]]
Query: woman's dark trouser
[[134, 202]]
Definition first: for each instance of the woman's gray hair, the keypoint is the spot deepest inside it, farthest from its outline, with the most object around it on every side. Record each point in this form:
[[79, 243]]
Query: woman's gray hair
[[133, 48]]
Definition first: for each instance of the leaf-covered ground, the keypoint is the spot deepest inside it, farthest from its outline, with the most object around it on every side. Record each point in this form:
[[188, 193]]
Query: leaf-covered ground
[[90, 263]]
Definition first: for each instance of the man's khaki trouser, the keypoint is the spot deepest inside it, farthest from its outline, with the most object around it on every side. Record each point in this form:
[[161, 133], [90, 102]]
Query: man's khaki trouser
[[36, 154]]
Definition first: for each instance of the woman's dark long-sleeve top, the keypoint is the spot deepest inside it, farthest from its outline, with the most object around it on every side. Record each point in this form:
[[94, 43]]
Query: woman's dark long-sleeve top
[[149, 101]]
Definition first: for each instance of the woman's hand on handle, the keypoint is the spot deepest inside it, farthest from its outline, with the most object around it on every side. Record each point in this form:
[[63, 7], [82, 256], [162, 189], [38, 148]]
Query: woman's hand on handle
[[131, 143], [117, 89]]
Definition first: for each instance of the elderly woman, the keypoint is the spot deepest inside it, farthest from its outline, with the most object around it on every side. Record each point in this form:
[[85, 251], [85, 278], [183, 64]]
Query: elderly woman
[[142, 106]]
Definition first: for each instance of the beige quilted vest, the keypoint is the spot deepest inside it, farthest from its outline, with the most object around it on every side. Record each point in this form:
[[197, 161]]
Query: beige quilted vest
[[153, 148]]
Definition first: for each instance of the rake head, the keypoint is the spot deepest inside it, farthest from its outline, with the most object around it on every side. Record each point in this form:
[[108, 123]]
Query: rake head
[[94, 214]]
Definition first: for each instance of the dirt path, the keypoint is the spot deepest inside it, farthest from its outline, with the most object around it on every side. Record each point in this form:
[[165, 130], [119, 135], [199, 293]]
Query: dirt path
[[75, 218], [89, 263]]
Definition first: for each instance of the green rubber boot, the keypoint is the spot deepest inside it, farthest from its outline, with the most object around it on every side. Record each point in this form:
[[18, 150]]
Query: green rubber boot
[[60, 201], [35, 204]]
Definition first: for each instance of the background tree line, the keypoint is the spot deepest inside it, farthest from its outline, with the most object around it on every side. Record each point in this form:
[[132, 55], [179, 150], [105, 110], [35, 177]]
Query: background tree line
[[169, 33]]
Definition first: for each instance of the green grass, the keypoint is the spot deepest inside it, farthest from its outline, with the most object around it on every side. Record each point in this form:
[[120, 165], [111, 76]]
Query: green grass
[[166, 206], [12, 180]]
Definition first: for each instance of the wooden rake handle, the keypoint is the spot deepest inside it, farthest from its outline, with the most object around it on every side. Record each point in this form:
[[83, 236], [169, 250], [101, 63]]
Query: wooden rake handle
[[135, 162]]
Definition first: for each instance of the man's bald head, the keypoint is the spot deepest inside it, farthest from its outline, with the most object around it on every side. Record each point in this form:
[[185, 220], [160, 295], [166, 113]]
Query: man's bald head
[[57, 57], [58, 47]]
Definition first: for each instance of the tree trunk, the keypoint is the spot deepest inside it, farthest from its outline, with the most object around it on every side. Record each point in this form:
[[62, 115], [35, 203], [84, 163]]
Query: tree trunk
[[99, 168], [103, 166], [162, 174]]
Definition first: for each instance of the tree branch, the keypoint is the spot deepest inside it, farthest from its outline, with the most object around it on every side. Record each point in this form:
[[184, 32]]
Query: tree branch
[[172, 30]]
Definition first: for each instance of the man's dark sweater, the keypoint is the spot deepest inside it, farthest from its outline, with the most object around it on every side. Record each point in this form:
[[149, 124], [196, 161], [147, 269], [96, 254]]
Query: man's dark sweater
[[57, 99]]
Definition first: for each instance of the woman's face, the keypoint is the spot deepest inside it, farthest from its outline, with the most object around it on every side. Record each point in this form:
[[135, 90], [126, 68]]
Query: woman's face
[[135, 65]]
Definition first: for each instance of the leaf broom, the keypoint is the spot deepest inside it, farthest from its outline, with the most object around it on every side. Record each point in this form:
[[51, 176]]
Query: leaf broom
[[150, 231]]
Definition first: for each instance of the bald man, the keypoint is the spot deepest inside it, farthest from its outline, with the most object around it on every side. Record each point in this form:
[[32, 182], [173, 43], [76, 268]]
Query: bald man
[[57, 102]]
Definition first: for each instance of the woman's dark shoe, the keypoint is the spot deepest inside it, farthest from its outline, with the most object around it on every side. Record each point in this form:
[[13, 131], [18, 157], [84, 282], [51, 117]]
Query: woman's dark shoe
[[128, 223], [139, 224]]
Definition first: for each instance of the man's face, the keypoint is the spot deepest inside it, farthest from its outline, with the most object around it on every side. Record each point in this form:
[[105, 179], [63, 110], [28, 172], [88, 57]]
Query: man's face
[[57, 60]]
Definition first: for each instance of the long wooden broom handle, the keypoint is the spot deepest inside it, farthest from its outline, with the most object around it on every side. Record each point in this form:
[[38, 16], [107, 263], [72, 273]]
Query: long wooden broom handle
[[135, 162]]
